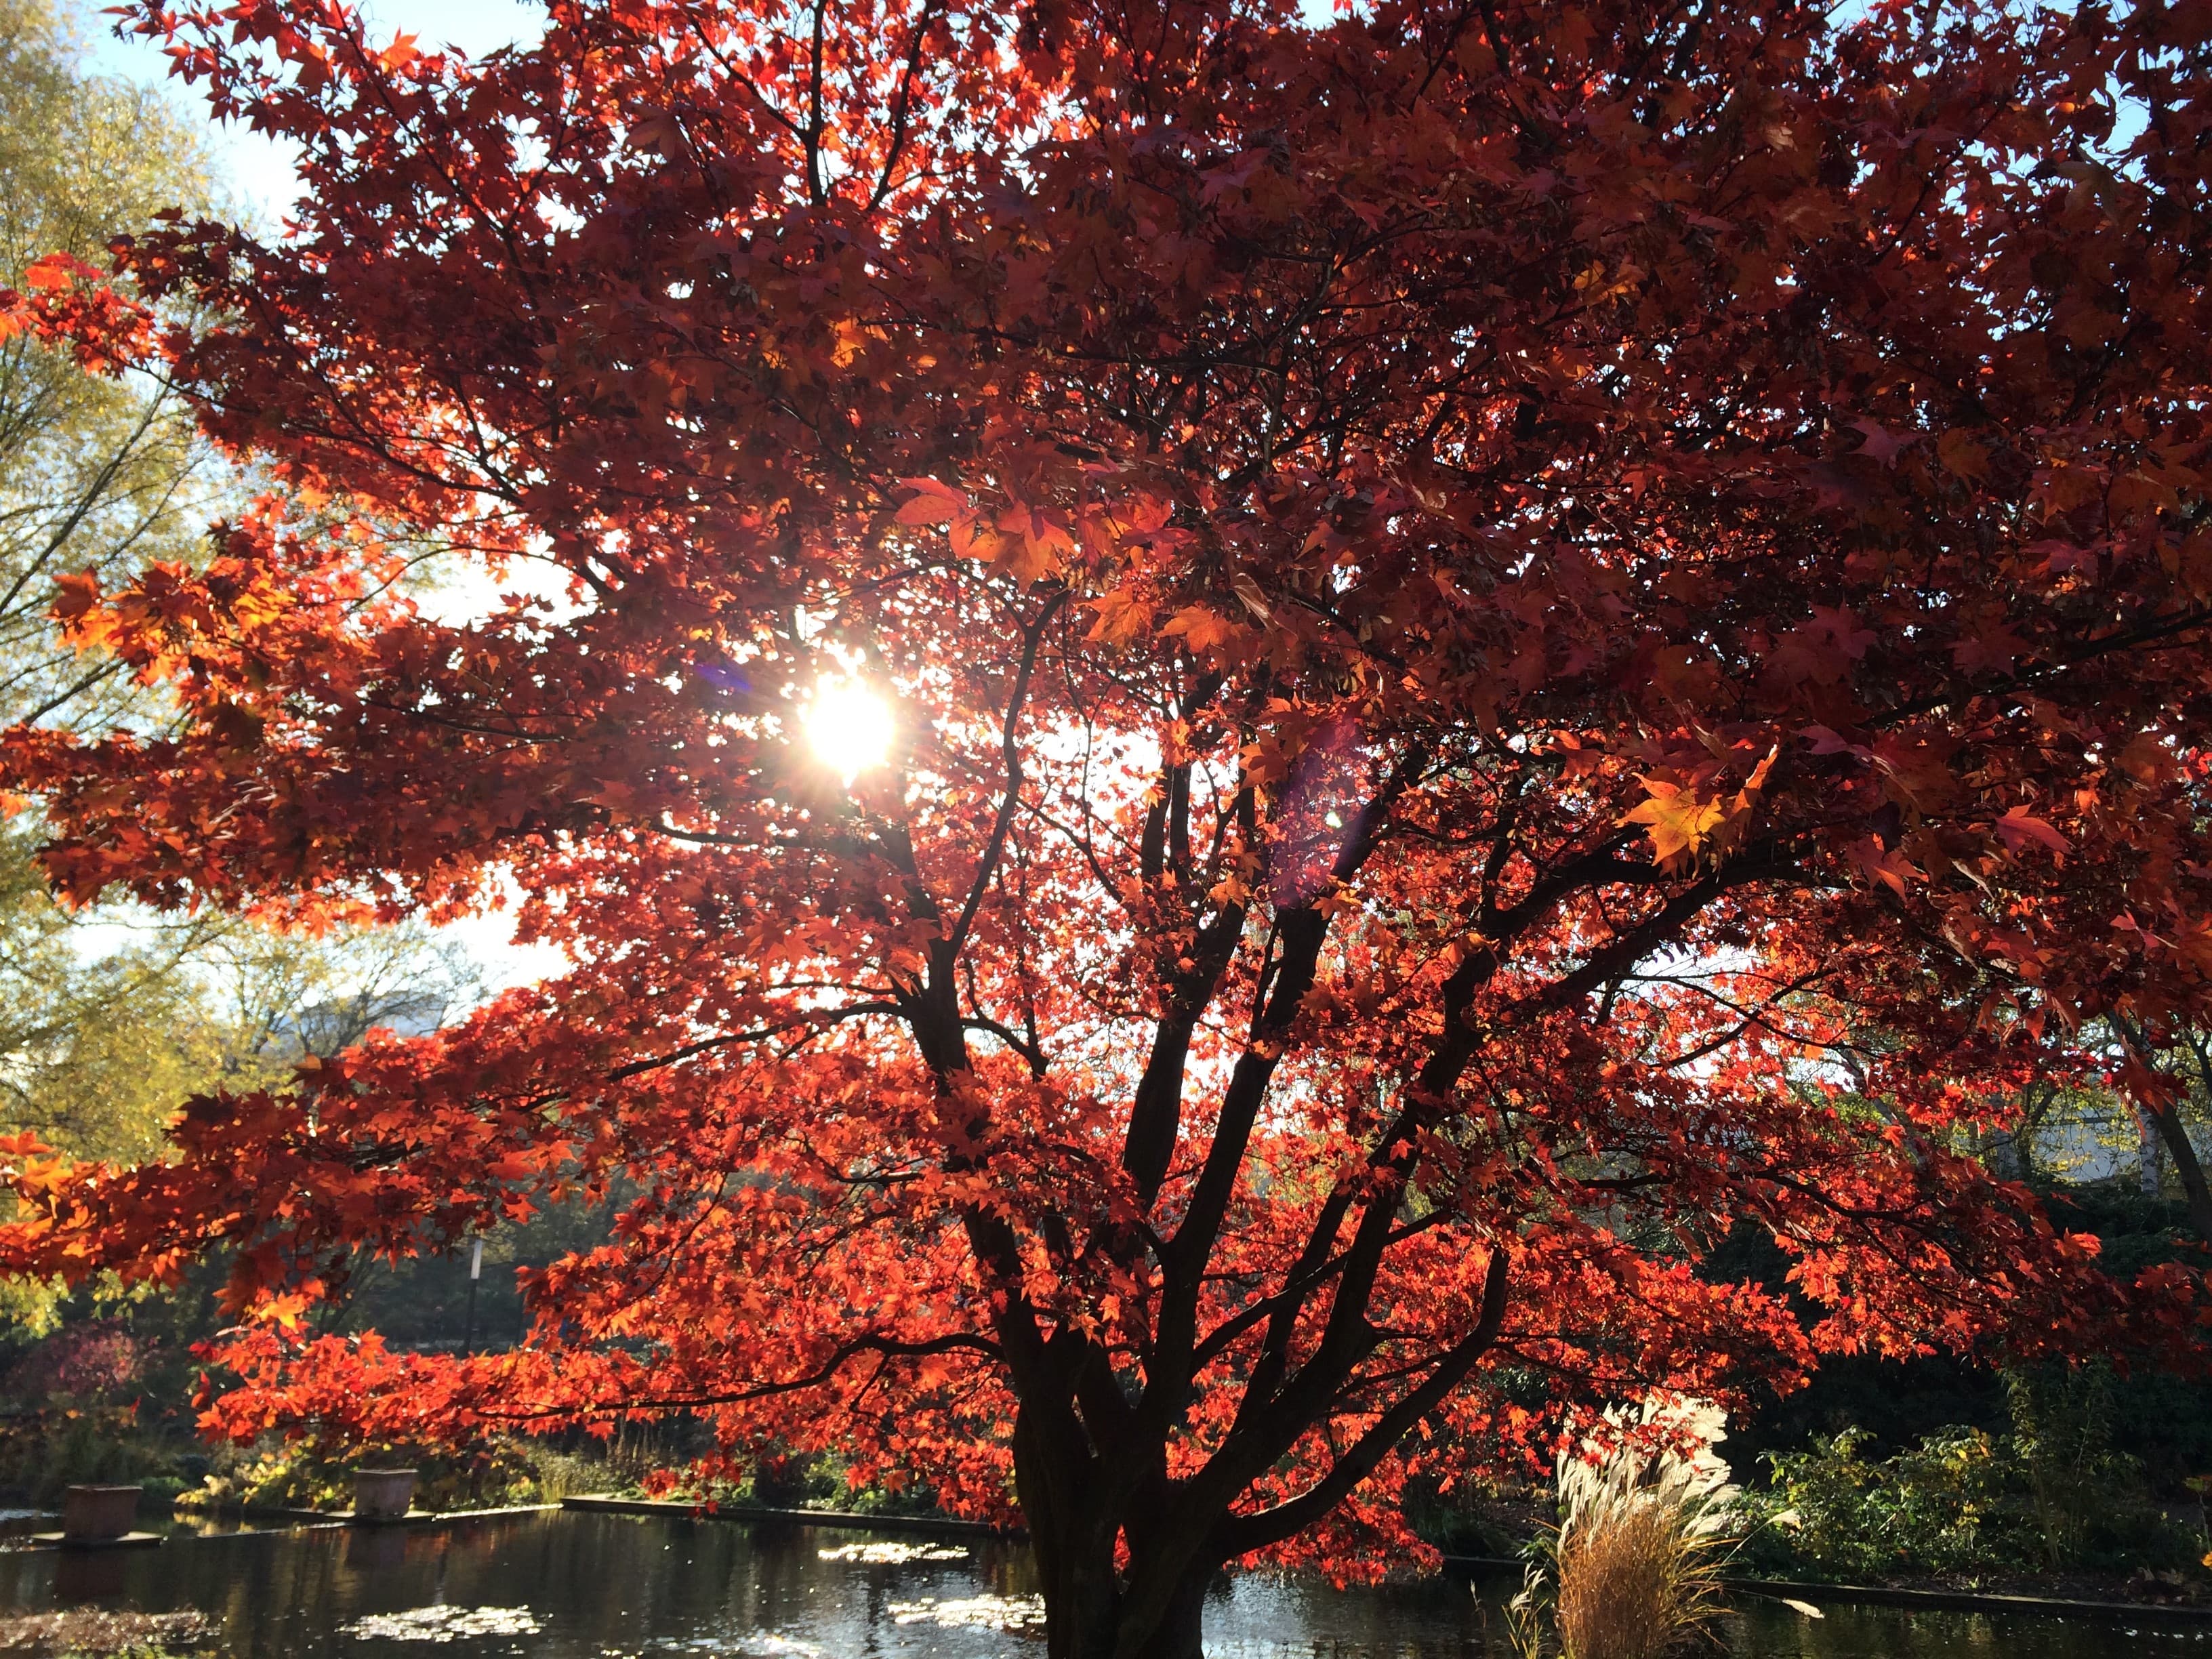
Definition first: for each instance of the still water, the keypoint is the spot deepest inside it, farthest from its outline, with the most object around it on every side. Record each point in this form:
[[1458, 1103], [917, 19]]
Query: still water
[[586, 1586]]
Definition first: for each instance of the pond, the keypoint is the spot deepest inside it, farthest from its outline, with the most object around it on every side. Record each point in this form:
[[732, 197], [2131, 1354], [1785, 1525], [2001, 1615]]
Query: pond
[[599, 1586]]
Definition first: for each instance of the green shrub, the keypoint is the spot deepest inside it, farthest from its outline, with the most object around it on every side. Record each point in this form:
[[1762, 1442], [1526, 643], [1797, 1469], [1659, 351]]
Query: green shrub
[[2062, 1435], [496, 1473], [43, 1451], [2051, 1493], [1938, 1508]]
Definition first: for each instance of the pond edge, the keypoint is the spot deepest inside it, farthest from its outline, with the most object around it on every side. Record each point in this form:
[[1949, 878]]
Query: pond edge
[[701, 1509], [1932, 1601]]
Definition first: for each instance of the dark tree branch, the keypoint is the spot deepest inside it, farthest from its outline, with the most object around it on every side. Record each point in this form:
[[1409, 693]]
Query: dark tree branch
[[994, 848], [1244, 1533], [2171, 1130], [811, 1020], [889, 1347]]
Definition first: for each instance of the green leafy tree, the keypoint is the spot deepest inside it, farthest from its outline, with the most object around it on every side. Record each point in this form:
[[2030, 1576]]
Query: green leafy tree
[[95, 474], [111, 1016], [103, 1028]]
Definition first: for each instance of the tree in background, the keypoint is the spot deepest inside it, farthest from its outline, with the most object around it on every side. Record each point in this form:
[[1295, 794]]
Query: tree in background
[[1458, 598], [96, 1045], [2166, 1071], [111, 1016], [96, 473]]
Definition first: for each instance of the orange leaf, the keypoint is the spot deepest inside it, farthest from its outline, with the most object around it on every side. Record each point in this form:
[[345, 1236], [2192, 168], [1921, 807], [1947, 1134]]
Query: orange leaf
[[930, 503], [55, 270], [1678, 823], [79, 593], [1121, 617], [1199, 626], [1887, 866]]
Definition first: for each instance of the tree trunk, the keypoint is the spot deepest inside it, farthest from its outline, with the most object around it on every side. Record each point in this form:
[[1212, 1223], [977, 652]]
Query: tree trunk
[[1093, 1609], [2186, 1165], [2003, 1155], [2164, 1132], [1091, 1612], [1072, 1541], [1178, 1633]]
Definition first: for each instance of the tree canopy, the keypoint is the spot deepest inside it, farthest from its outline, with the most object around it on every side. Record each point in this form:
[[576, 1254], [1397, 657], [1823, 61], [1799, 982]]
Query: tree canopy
[[1519, 636]]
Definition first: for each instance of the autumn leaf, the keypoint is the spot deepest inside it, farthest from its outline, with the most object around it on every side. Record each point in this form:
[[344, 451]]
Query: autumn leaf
[[54, 272], [847, 338], [1989, 650], [1962, 455], [1121, 617], [1036, 545], [2018, 829], [1679, 821], [286, 1311], [1821, 649], [1878, 443], [78, 594], [1248, 595], [1199, 628], [932, 502], [1684, 825], [1887, 866], [2147, 757], [972, 539]]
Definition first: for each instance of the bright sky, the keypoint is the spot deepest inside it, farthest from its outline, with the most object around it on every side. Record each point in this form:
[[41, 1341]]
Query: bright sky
[[259, 168]]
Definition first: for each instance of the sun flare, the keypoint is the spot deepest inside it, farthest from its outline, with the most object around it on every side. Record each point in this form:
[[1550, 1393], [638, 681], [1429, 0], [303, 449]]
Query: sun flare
[[849, 727]]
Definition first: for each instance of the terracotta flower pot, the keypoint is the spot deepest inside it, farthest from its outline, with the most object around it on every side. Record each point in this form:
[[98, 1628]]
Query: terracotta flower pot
[[382, 1494], [93, 1514]]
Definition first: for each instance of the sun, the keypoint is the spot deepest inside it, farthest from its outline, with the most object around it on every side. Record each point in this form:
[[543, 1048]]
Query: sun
[[849, 727]]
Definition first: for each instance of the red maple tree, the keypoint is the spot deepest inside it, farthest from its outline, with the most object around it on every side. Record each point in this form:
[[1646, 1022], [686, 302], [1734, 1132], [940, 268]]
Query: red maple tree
[[1521, 635]]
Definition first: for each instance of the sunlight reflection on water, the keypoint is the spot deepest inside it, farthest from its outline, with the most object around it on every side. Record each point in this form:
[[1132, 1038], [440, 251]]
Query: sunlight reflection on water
[[893, 1555], [440, 1624], [972, 1613]]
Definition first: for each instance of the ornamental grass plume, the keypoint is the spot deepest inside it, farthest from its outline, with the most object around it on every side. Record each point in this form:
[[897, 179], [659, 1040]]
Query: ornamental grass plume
[[1644, 1536]]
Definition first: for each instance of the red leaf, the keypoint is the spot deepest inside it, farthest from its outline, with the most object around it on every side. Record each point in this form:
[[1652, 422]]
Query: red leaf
[[2020, 830]]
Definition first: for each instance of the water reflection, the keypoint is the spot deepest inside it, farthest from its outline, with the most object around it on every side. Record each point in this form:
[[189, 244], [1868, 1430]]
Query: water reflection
[[582, 1586]]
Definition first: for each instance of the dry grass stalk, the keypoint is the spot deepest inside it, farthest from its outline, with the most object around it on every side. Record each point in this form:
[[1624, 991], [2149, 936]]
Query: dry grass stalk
[[1642, 1541]]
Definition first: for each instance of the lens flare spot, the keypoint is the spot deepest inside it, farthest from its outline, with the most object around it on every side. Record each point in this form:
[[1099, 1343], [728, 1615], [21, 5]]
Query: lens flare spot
[[849, 727]]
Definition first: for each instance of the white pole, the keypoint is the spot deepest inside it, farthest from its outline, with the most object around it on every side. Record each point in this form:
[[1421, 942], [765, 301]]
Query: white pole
[[476, 1271]]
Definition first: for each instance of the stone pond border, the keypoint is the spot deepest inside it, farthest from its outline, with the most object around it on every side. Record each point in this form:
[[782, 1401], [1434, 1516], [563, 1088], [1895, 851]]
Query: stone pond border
[[941, 1525], [1974, 1601], [1930, 1600]]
